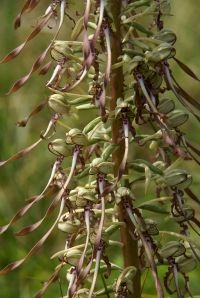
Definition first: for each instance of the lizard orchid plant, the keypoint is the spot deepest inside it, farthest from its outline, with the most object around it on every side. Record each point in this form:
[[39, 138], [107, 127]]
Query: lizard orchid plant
[[112, 177]]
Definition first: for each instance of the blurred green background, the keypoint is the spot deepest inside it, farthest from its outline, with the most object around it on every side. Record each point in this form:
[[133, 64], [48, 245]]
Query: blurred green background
[[26, 177]]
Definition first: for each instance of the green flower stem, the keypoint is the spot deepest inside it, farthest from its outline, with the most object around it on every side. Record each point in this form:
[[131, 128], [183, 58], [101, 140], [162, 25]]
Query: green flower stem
[[130, 248]]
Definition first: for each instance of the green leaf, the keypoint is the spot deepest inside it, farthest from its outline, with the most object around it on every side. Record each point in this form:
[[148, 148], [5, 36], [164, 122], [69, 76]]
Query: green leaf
[[91, 125], [141, 28], [186, 69], [109, 150], [140, 44], [136, 4], [139, 179], [87, 106], [153, 208], [84, 173], [78, 27], [143, 163], [187, 96], [79, 100]]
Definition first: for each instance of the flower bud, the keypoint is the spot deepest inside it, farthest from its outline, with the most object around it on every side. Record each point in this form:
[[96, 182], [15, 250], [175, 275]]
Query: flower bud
[[166, 35], [60, 50], [72, 256], [176, 118], [172, 249], [67, 225], [155, 80], [93, 236], [76, 136], [100, 166], [151, 227], [153, 145], [82, 197], [188, 213], [186, 263], [178, 177], [162, 52], [59, 146], [166, 105], [59, 104]]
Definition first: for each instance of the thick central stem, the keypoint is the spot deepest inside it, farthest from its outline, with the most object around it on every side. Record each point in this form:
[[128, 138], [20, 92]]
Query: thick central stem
[[130, 248]]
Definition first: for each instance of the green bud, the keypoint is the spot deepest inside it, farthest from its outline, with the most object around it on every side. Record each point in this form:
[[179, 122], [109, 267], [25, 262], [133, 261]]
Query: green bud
[[166, 35], [81, 202], [59, 146], [172, 249], [188, 213], [176, 118], [93, 236], [186, 263], [60, 50], [100, 166], [72, 256], [151, 227], [162, 52], [59, 104], [153, 145], [166, 105], [76, 136], [82, 197], [178, 177], [155, 80], [67, 225]]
